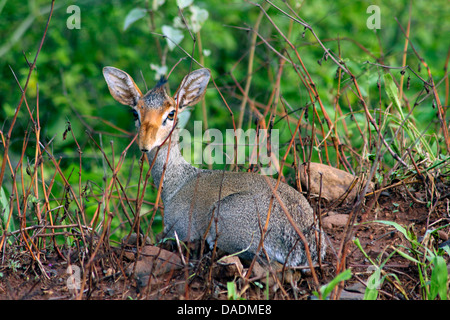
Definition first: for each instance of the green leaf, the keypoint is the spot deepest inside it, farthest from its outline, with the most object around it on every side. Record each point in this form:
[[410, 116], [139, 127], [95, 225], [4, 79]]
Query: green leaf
[[4, 209], [233, 294], [406, 256], [439, 278], [358, 244], [326, 289], [391, 90], [173, 36], [373, 284], [184, 3], [157, 3], [398, 227], [133, 16], [198, 17]]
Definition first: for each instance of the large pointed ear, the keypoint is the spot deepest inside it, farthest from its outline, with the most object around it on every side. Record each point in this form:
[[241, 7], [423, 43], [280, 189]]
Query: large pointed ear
[[122, 86], [192, 88]]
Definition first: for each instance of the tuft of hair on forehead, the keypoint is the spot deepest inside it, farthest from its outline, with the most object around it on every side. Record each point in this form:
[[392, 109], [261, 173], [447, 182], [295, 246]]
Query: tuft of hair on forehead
[[162, 81], [156, 97]]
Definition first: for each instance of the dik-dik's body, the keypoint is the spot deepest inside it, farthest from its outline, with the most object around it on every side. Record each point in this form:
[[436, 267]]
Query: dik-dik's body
[[228, 207]]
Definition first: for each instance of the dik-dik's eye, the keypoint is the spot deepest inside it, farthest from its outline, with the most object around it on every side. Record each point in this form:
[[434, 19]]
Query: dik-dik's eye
[[136, 117], [135, 114], [171, 115]]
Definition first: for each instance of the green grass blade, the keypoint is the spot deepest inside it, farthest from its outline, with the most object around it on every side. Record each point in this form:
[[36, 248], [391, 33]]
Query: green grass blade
[[326, 289], [439, 278]]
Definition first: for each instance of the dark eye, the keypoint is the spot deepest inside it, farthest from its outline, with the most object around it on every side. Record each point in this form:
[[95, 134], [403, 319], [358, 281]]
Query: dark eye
[[135, 115], [171, 115]]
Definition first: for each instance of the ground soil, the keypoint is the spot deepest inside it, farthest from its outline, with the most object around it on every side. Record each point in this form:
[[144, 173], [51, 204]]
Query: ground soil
[[22, 277]]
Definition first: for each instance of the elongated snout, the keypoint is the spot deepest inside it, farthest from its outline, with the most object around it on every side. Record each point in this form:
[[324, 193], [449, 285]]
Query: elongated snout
[[148, 137]]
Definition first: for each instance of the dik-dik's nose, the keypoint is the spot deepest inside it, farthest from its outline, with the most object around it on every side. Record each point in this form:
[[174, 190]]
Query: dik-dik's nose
[[148, 136], [145, 146]]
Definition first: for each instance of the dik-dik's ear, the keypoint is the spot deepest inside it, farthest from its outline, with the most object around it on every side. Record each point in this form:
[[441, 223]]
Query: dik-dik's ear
[[122, 86], [192, 88]]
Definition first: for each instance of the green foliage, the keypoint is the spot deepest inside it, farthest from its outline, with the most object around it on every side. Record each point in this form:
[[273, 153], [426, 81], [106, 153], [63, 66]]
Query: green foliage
[[5, 210], [232, 291], [432, 267], [376, 279], [97, 179], [133, 16], [326, 289]]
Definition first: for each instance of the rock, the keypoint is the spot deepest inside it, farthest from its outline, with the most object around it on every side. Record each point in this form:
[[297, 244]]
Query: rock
[[345, 295], [348, 295], [130, 242], [335, 182], [266, 275], [335, 220], [263, 273], [356, 287], [228, 267], [153, 261], [443, 235], [354, 292]]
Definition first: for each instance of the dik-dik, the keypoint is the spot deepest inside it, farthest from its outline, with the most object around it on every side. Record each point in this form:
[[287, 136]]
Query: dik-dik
[[228, 207]]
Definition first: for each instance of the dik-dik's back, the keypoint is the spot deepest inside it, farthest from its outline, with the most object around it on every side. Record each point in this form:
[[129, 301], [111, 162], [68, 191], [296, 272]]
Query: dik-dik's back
[[227, 208]]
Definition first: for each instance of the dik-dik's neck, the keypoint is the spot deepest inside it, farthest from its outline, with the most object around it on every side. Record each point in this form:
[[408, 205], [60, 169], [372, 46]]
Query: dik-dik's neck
[[177, 170]]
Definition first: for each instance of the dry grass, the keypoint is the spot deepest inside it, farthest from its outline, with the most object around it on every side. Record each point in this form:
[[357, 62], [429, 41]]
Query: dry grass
[[49, 211]]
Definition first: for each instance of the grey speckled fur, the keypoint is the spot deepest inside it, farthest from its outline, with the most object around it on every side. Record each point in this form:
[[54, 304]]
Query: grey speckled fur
[[239, 202]]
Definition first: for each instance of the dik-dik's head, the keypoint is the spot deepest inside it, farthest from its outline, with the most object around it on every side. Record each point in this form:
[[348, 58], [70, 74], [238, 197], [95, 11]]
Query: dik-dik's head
[[155, 111]]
